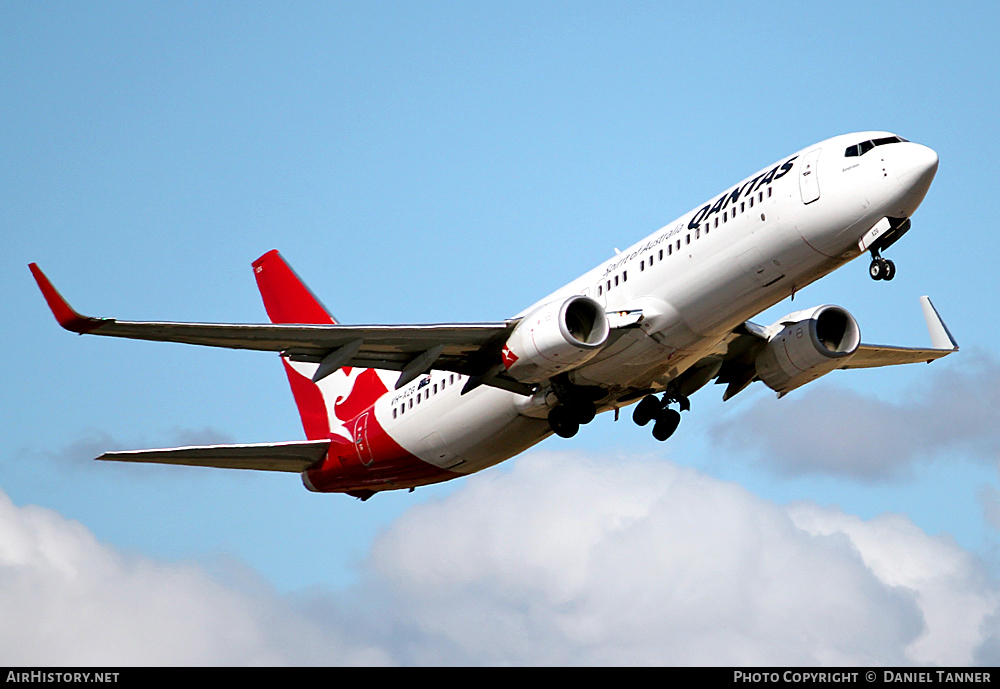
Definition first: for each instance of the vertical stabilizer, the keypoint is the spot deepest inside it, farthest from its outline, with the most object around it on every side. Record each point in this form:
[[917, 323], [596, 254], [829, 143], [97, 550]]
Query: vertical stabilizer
[[286, 297], [328, 406]]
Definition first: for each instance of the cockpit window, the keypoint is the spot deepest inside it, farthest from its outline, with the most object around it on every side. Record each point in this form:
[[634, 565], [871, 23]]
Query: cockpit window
[[865, 146]]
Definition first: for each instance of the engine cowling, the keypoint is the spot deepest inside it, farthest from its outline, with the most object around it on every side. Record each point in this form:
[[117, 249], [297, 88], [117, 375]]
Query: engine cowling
[[806, 345], [555, 337]]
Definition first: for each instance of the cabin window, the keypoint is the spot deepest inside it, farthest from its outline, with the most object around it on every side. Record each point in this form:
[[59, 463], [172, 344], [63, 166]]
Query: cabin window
[[642, 266], [616, 280], [624, 275], [661, 254], [716, 221], [411, 403], [769, 192], [760, 197], [725, 216], [678, 245], [742, 206], [609, 284], [670, 250], [751, 202], [600, 290], [394, 413], [687, 238], [435, 388], [697, 233]]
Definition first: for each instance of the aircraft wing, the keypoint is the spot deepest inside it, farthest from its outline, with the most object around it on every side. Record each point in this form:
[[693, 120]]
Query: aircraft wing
[[872, 356], [459, 347], [943, 344], [471, 349], [294, 456], [738, 369]]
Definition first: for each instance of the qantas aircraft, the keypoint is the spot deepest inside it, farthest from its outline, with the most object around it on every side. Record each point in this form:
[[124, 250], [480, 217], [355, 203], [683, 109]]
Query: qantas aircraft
[[398, 406]]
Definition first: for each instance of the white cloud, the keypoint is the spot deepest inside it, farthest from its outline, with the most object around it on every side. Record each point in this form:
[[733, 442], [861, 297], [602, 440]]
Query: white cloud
[[832, 430], [569, 561], [70, 600], [952, 589], [560, 560], [989, 498]]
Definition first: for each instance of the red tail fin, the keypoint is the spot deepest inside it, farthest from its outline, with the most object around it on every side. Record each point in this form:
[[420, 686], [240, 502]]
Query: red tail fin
[[347, 392], [286, 297], [288, 300]]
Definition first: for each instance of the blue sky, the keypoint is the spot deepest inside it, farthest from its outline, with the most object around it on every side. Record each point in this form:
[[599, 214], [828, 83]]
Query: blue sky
[[427, 162]]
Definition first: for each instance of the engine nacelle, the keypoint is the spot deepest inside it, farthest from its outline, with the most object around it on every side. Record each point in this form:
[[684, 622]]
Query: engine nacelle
[[556, 337], [806, 345]]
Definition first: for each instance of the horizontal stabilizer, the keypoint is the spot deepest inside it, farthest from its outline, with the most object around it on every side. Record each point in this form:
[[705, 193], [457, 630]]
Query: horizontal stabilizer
[[294, 456]]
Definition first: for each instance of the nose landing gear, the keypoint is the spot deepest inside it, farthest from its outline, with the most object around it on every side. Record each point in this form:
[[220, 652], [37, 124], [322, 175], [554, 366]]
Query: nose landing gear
[[881, 268]]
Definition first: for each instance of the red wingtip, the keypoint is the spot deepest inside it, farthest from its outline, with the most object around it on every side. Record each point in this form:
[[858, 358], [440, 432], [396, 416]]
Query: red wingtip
[[64, 313]]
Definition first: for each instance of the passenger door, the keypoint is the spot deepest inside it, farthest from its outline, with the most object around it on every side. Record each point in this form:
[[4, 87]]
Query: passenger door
[[808, 177]]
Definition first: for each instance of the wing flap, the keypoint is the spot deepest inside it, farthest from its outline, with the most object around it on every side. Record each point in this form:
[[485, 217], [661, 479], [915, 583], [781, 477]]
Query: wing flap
[[293, 456]]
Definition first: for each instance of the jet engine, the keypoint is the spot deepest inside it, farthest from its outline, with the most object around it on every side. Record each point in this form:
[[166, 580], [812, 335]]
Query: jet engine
[[806, 345], [555, 337]]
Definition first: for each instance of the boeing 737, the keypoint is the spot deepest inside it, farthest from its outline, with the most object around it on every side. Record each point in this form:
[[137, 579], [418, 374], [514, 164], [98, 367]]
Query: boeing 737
[[399, 406]]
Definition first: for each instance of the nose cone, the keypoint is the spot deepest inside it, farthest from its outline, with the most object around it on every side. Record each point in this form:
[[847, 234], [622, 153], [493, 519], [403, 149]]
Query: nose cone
[[915, 166]]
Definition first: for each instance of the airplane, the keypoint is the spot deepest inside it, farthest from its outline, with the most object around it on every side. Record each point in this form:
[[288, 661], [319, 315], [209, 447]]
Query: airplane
[[387, 407]]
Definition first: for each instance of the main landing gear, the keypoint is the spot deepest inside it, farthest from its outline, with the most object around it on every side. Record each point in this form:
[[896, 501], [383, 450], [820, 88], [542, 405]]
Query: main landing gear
[[881, 268], [566, 419], [576, 406], [650, 408]]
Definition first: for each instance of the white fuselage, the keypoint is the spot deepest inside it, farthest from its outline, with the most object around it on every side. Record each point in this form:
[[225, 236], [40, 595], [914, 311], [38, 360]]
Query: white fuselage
[[695, 280]]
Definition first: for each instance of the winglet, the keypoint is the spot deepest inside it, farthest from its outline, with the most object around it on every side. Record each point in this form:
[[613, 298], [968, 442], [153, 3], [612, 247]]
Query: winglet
[[64, 313], [940, 335]]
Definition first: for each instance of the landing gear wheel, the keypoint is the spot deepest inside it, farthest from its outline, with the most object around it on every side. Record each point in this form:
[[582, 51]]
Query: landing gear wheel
[[582, 412], [646, 410], [666, 424], [877, 269], [889, 269], [562, 423]]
